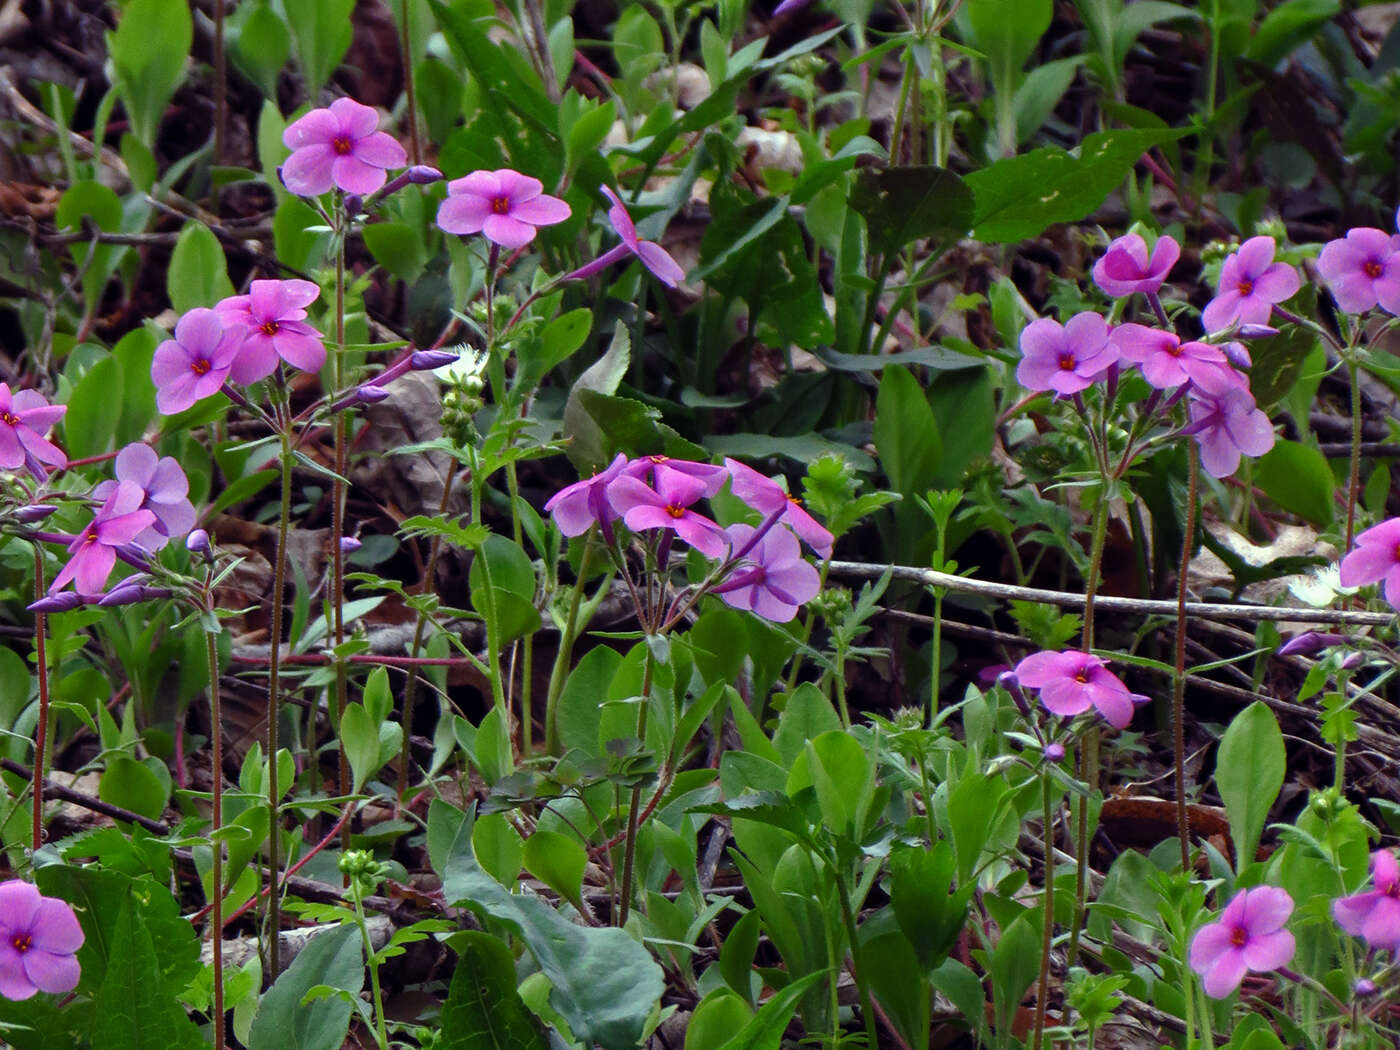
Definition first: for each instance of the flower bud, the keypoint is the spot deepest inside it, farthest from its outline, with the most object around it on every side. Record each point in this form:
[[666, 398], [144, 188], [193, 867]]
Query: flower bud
[[354, 204], [64, 601], [370, 394], [1237, 354], [349, 544], [423, 174], [1364, 988], [34, 512], [1310, 643], [426, 360], [1054, 752], [197, 542], [1255, 331], [1008, 681]]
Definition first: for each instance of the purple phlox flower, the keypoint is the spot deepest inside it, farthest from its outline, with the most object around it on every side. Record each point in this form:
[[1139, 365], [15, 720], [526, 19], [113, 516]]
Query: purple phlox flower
[[165, 489], [273, 318], [766, 496], [1248, 937], [1226, 426], [773, 580], [1167, 362], [1362, 269], [93, 551], [654, 257], [1071, 682], [1374, 915], [340, 147], [1126, 267], [39, 939], [503, 206], [644, 467], [1250, 283], [1375, 557], [194, 364], [578, 507], [1065, 358], [667, 506], [25, 419]]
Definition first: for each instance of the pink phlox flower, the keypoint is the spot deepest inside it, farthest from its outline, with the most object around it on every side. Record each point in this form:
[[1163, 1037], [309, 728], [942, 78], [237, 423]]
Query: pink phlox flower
[[1167, 362], [39, 939], [341, 147], [503, 206], [273, 319], [1250, 284], [1126, 267], [1226, 426], [767, 497], [578, 507], [654, 257], [1071, 682], [194, 364], [1248, 937], [1374, 915], [165, 490], [92, 553], [667, 506], [1376, 556], [773, 580], [644, 468], [1362, 269], [1065, 358], [26, 417]]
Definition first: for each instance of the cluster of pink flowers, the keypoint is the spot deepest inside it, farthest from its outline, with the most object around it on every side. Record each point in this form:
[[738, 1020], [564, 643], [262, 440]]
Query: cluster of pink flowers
[[764, 568], [1225, 421]]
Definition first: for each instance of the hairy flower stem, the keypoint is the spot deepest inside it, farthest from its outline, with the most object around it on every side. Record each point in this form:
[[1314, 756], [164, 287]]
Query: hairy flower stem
[[1089, 747], [1188, 537], [216, 770], [564, 657], [41, 731], [220, 87], [629, 845], [1354, 473], [1048, 928], [338, 519], [410, 689], [274, 712]]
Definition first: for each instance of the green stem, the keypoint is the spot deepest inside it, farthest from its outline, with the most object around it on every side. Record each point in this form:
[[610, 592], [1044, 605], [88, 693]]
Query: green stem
[[1188, 538], [935, 670], [381, 1036], [41, 731], [274, 710], [564, 657], [848, 917], [839, 682], [415, 148], [338, 522], [629, 847], [1048, 926], [1354, 472], [216, 770]]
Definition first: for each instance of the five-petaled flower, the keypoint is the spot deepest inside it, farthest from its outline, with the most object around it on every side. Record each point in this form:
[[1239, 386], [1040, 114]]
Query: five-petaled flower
[[578, 507], [1167, 362], [272, 317], [1248, 937], [1226, 426], [194, 364], [39, 937], [1363, 270], [1375, 557], [164, 488], [1250, 284], [503, 206], [1374, 915], [1071, 682], [339, 147], [1065, 358], [767, 497], [25, 418], [1127, 268], [773, 580], [667, 506], [93, 552]]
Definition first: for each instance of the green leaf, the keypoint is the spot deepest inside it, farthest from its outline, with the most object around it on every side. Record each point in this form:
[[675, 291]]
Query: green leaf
[[335, 958], [588, 446], [605, 984], [558, 861], [1013, 965], [929, 910], [765, 1031], [737, 953], [483, 1010], [716, 1016], [39, 1024], [1289, 26], [899, 983], [906, 433], [1298, 479], [584, 691], [502, 588], [260, 47], [149, 51], [398, 247], [807, 715], [903, 205], [133, 1009], [1278, 362], [321, 32], [198, 274], [1040, 93], [506, 84], [359, 736], [1006, 31], [133, 354], [129, 784], [497, 846], [1018, 197], [94, 411], [1249, 771]]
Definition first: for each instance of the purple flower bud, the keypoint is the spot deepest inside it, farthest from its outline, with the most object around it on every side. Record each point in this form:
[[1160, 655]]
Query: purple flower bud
[[426, 360], [124, 593], [423, 174], [1008, 681], [354, 204], [1255, 331], [197, 542], [34, 512], [349, 544], [1054, 752], [64, 601], [1310, 643], [1237, 354], [1364, 988], [371, 394]]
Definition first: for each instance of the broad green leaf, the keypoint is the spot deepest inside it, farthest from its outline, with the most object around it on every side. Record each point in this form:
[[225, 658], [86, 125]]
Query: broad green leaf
[[497, 847], [900, 984], [398, 247], [906, 434], [133, 354], [335, 958], [1249, 771], [94, 410], [198, 274], [558, 861], [260, 46], [903, 205], [716, 1017], [359, 737], [131, 785], [584, 691], [149, 50], [1289, 26], [321, 31], [483, 1010], [765, 1031], [1013, 965], [929, 910], [1018, 197], [1298, 479], [807, 715], [133, 1009], [588, 447]]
